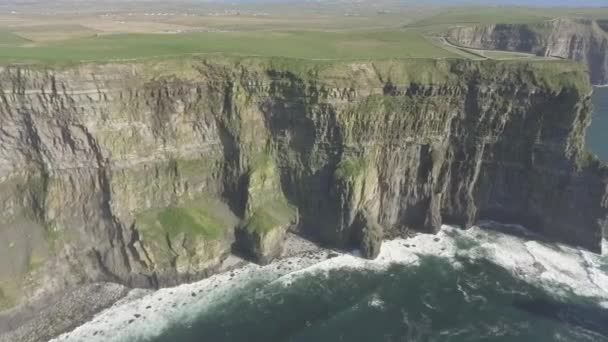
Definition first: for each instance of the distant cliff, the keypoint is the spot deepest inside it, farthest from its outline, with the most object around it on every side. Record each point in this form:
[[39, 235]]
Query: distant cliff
[[581, 40], [148, 173]]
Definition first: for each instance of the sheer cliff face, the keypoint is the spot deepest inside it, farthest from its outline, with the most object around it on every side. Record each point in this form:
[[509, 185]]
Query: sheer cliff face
[[584, 41], [146, 174]]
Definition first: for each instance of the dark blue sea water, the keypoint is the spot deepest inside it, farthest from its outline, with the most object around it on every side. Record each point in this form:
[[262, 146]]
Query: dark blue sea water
[[597, 135], [432, 302], [478, 285]]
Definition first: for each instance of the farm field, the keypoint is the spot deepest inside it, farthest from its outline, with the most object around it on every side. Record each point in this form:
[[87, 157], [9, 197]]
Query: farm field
[[294, 44], [35, 34]]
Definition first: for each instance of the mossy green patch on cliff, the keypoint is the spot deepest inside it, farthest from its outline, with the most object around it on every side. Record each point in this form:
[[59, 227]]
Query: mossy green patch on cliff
[[420, 71], [188, 236], [354, 72], [351, 168], [197, 218], [189, 220], [181, 68], [559, 75], [271, 215], [7, 300], [261, 222], [378, 73], [263, 177], [267, 207]]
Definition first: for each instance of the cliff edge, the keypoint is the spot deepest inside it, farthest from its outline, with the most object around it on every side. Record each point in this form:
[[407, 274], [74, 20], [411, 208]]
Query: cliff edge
[[582, 40]]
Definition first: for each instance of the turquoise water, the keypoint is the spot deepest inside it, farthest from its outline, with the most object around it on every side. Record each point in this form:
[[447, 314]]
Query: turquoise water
[[597, 135]]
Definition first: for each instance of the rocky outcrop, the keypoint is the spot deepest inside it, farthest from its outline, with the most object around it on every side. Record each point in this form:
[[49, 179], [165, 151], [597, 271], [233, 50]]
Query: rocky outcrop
[[147, 174], [370, 235], [581, 40]]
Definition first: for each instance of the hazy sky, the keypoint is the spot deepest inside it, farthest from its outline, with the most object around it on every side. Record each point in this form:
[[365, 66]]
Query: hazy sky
[[570, 3]]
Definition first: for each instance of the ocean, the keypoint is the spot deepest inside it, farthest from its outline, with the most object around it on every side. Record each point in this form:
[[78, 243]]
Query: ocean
[[597, 135], [492, 284], [495, 283]]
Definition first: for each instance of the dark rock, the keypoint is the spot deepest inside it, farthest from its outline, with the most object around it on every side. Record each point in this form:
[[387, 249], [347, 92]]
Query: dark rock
[[370, 235], [262, 247]]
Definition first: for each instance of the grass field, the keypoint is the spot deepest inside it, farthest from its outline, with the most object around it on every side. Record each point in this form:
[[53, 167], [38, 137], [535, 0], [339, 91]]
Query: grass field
[[484, 16], [50, 33], [300, 44], [309, 31], [503, 15], [10, 39]]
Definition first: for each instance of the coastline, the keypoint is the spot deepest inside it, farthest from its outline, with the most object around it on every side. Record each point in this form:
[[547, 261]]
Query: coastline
[[558, 269], [54, 316], [142, 315]]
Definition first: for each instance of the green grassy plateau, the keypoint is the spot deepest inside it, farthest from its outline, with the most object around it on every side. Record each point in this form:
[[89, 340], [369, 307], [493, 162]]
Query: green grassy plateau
[[306, 32], [297, 44]]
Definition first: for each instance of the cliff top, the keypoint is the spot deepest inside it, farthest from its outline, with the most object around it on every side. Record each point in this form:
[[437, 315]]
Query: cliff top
[[375, 73]]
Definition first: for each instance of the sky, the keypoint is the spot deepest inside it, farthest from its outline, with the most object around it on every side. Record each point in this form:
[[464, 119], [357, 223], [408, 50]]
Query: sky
[[570, 3]]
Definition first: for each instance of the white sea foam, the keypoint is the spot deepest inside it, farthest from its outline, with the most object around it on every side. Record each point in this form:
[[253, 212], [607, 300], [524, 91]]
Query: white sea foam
[[376, 302], [557, 268]]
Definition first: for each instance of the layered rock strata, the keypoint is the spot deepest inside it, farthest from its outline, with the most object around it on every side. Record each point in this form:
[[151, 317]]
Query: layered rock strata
[[148, 174], [582, 40]]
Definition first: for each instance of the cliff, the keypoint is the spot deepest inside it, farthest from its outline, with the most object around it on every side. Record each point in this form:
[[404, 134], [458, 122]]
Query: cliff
[[148, 173], [581, 40]]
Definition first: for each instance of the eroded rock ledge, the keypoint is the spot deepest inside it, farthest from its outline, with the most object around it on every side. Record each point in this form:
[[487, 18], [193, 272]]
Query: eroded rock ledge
[[148, 174]]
